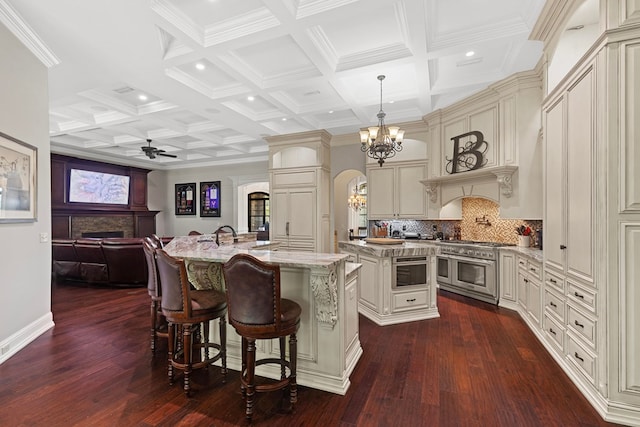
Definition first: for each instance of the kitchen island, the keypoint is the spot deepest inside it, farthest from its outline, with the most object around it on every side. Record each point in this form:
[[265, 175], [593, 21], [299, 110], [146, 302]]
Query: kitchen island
[[397, 281], [325, 286]]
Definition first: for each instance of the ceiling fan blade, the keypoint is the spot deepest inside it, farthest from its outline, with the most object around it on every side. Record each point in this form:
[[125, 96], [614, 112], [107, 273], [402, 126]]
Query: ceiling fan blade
[[162, 153]]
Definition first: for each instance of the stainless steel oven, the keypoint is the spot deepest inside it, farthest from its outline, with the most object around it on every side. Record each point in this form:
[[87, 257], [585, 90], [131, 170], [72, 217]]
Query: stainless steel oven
[[470, 269], [410, 271], [443, 269]]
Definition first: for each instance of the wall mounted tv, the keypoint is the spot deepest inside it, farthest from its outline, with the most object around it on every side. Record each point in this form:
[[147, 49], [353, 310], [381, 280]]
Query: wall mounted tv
[[98, 187]]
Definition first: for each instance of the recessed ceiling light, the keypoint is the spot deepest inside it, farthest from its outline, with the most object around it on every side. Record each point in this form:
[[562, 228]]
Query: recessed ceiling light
[[284, 119], [392, 101], [250, 98], [200, 66], [142, 97], [470, 53], [330, 111], [575, 27]]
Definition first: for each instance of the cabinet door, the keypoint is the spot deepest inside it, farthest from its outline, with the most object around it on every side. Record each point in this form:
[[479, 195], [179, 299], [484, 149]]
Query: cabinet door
[[554, 233], [410, 192], [279, 218], [580, 149], [302, 214], [370, 282], [522, 288], [534, 300], [381, 189], [507, 277]]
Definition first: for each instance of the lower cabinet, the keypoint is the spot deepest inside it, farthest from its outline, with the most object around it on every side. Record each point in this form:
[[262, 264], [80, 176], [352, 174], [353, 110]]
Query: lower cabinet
[[529, 289], [383, 304]]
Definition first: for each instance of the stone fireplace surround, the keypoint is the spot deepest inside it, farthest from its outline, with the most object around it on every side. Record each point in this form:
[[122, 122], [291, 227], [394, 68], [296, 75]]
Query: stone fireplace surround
[[101, 224]]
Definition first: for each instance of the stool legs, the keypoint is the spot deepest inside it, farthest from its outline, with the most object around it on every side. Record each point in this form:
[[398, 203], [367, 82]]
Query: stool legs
[[171, 349], [223, 350], [154, 323], [251, 381], [187, 354], [293, 363]]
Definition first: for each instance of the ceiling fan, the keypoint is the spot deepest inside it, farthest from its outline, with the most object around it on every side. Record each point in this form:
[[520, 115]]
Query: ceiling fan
[[152, 152]]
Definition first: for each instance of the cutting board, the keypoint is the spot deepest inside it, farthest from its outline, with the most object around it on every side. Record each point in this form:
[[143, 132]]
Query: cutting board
[[383, 241]]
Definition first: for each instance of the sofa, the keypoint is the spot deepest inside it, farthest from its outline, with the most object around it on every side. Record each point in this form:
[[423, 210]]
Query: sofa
[[108, 261]]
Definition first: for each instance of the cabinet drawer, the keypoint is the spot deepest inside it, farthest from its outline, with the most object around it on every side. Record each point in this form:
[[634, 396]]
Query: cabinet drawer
[[553, 280], [582, 358], [534, 269], [582, 325], [582, 296], [554, 331], [409, 300], [522, 263], [554, 304]]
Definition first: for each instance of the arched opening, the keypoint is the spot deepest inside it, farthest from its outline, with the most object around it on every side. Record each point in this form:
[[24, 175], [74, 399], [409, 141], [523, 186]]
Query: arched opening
[[258, 211], [343, 186]]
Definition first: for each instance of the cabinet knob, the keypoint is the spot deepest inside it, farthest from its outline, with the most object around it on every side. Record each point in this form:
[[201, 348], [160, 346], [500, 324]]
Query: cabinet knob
[[563, 247]]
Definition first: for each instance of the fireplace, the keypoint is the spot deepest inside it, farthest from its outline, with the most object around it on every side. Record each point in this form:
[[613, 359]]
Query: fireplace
[[103, 234], [101, 226]]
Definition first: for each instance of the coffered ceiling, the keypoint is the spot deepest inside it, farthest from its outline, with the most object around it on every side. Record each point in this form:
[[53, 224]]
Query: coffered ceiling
[[181, 72]]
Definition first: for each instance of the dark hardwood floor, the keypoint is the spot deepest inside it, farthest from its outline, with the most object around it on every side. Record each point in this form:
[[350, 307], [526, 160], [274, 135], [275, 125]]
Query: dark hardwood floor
[[477, 365]]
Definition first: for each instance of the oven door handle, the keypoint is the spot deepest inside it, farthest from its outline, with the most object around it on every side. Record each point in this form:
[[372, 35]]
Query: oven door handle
[[471, 260]]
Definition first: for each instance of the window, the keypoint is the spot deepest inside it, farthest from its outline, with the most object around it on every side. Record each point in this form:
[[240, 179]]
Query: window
[[258, 210]]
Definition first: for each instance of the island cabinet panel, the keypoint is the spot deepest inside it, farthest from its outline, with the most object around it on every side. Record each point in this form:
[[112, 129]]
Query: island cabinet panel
[[508, 280], [379, 300], [370, 292]]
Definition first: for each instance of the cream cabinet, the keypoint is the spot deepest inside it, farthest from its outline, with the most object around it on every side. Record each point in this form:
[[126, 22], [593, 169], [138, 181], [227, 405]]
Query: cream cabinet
[[508, 284], [570, 287], [529, 276], [294, 218], [300, 192], [569, 180], [395, 191], [379, 300]]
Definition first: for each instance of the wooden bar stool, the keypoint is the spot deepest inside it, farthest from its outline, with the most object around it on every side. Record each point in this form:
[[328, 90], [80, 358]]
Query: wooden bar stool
[[154, 290], [256, 311], [187, 308]]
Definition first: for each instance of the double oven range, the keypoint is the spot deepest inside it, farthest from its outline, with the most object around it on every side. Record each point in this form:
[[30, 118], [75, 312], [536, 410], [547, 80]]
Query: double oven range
[[469, 268]]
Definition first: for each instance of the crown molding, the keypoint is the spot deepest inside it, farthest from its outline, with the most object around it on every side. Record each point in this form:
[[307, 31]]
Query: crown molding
[[23, 32]]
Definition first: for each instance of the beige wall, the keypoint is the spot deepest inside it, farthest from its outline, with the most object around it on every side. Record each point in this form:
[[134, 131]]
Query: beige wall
[[25, 284]]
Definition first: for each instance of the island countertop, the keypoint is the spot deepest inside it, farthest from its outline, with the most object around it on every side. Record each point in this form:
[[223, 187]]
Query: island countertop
[[403, 248], [204, 248]]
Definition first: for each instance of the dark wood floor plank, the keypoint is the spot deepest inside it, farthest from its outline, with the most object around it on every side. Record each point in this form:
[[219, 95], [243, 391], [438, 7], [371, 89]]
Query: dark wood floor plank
[[477, 365]]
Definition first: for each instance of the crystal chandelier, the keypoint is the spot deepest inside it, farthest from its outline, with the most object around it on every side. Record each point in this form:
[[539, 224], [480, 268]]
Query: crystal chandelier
[[381, 142], [357, 200]]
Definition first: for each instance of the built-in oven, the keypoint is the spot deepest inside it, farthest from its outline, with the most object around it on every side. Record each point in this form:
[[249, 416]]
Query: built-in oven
[[443, 269], [410, 271], [470, 270]]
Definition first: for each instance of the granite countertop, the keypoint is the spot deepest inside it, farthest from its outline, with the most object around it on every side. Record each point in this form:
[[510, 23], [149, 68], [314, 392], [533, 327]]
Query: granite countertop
[[420, 247], [203, 248], [404, 248], [534, 253]]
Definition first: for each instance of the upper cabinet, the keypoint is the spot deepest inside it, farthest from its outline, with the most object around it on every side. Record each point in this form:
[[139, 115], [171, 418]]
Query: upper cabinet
[[395, 191]]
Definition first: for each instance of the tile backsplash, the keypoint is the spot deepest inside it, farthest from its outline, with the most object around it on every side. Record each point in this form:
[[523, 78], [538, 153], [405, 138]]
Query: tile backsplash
[[480, 222]]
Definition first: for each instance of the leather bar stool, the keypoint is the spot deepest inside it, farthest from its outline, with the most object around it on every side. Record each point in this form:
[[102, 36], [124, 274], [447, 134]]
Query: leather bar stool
[[153, 287], [256, 311], [187, 308]]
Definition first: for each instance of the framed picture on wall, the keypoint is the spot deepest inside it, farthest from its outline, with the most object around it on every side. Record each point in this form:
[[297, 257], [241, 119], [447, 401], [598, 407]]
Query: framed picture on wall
[[186, 199], [18, 178], [210, 198]]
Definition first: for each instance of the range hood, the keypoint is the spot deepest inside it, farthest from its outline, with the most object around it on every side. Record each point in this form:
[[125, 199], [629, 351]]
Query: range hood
[[492, 183]]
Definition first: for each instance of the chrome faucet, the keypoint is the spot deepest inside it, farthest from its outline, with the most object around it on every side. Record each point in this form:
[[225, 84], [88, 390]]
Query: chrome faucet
[[233, 233]]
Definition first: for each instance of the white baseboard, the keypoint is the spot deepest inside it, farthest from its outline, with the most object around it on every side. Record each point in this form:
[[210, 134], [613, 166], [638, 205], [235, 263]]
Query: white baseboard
[[24, 336]]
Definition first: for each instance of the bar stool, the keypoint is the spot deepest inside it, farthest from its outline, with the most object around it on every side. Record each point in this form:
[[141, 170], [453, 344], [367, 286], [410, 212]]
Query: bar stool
[[153, 288], [187, 308], [256, 311]]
